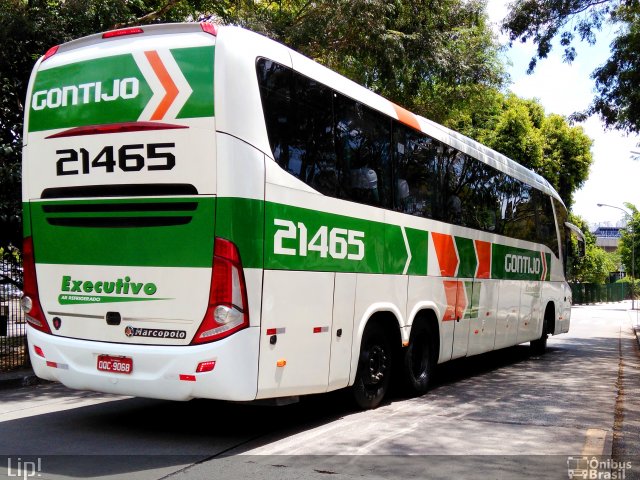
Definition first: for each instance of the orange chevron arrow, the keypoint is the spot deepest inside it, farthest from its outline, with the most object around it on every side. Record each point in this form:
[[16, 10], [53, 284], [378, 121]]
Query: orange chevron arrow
[[167, 83]]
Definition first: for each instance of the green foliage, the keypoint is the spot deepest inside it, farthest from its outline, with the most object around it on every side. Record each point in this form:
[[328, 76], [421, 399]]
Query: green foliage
[[427, 58], [597, 265], [629, 245], [618, 80], [519, 129]]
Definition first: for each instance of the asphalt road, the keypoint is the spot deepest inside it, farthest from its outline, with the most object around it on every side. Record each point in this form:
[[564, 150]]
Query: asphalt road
[[505, 414]]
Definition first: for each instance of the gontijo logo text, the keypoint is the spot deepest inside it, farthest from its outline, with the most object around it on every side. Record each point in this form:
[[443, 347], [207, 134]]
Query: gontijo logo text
[[162, 84], [105, 291], [125, 88]]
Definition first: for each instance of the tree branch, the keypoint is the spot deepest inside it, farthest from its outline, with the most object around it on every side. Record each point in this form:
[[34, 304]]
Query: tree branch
[[150, 16]]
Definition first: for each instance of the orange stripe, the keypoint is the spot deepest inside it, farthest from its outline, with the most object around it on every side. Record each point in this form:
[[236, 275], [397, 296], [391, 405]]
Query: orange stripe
[[406, 117], [446, 253], [167, 83], [451, 293], [483, 250]]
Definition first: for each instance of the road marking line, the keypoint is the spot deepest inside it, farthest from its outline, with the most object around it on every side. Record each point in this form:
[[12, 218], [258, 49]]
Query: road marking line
[[594, 443]]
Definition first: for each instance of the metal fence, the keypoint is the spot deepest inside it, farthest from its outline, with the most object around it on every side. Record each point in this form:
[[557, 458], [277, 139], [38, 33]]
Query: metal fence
[[587, 293], [13, 329]]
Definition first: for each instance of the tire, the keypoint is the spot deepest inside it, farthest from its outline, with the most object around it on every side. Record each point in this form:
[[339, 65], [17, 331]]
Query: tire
[[419, 360], [374, 368], [539, 346]]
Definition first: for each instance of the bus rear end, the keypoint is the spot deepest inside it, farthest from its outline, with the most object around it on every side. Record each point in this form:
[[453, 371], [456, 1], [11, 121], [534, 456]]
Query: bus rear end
[[127, 288]]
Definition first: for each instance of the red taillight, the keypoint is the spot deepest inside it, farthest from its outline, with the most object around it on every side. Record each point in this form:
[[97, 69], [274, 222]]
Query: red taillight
[[228, 309], [209, 28], [123, 31], [206, 366], [30, 299], [51, 52]]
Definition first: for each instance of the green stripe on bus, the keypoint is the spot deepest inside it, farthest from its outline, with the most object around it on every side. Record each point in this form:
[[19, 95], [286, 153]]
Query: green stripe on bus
[[512, 263], [196, 65], [268, 235], [61, 238], [467, 254], [113, 89], [240, 220]]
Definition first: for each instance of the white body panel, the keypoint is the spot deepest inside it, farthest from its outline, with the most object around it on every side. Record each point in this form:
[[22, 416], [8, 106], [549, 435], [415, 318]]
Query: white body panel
[[482, 329], [156, 369], [294, 304]]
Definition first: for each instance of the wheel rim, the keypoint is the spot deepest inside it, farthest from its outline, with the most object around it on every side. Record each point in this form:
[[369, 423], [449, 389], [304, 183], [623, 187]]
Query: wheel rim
[[419, 361], [376, 366]]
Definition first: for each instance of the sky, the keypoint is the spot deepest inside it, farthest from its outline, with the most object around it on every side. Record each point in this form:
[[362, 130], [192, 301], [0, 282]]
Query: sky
[[564, 88]]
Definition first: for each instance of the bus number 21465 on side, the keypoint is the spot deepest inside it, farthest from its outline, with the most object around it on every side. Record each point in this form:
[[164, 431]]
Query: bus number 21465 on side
[[338, 243]]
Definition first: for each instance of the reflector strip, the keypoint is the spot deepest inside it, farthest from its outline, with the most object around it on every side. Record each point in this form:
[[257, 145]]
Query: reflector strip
[[275, 331], [188, 378], [38, 351], [320, 329], [122, 31], [52, 51], [206, 366], [52, 364], [209, 28], [115, 128]]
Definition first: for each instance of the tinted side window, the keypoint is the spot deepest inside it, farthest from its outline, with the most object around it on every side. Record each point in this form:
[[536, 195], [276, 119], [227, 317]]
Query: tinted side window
[[414, 162], [299, 118], [547, 224], [275, 91], [519, 210], [363, 139], [561, 213]]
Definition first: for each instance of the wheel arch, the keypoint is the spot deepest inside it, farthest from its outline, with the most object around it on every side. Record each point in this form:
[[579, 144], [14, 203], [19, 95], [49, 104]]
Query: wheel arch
[[389, 318], [550, 312], [428, 316]]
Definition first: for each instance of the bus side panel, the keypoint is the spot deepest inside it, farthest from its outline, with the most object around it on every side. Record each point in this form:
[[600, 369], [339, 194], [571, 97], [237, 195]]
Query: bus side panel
[[296, 333], [530, 316], [240, 212], [482, 328], [343, 305], [508, 313]]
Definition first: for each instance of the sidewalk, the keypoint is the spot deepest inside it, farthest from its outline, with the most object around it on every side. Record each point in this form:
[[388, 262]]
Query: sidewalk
[[23, 377]]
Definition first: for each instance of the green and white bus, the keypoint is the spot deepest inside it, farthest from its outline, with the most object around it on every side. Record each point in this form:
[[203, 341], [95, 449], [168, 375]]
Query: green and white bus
[[210, 214]]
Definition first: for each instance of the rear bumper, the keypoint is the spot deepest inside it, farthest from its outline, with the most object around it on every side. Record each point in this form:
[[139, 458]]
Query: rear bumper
[[156, 369]]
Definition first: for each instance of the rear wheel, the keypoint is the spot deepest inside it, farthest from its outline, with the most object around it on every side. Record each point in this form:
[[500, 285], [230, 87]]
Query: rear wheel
[[374, 368], [539, 346], [419, 360]]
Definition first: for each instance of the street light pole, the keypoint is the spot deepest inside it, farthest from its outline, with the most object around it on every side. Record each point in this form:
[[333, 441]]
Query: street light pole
[[633, 251]]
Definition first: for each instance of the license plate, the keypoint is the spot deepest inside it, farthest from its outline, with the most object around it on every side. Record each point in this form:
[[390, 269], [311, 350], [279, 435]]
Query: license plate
[[107, 363]]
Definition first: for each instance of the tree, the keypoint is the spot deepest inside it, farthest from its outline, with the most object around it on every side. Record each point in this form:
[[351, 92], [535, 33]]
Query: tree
[[618, 80], [597, 265], [629, 245], [427, 57], [520, 129]]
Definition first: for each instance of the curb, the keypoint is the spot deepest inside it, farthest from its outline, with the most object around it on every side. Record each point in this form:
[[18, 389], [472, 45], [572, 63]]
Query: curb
[[24, 378]]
